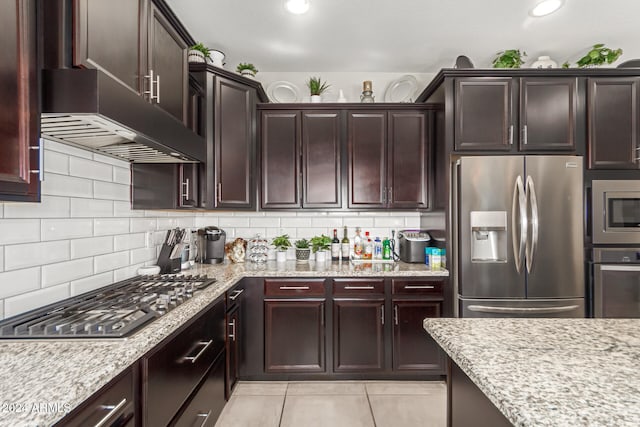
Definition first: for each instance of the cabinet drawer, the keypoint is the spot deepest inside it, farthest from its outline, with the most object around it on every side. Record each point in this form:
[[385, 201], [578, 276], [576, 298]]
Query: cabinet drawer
[[173, 372], [234, 295], [295, 288], [354, 287], [417, 287], [113, 406]]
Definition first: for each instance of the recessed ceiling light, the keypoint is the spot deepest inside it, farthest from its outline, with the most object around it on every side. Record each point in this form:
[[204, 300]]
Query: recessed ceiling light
[[297, 7], [546, 7]]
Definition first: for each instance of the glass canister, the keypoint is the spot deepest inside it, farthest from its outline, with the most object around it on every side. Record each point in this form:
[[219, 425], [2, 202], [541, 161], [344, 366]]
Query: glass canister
[[258, 248]]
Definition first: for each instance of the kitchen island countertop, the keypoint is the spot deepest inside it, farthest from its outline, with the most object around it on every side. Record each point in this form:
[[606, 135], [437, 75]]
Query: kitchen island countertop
[[41, 380], [550, 372]]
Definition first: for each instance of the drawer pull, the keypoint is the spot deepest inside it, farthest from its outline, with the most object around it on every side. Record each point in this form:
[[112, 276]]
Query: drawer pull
[[206, 345], [395, 314], [232, 335], [205, 416], [359, 287], [294, 288], [113, 410], [419, 287], [382, 313], [236, 294]]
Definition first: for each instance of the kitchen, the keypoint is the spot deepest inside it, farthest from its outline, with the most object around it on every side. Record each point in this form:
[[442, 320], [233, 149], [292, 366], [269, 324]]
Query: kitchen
[[70, 243]]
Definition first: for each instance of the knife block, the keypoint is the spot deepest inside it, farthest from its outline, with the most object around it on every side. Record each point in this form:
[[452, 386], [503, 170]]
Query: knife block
[[168, 265]]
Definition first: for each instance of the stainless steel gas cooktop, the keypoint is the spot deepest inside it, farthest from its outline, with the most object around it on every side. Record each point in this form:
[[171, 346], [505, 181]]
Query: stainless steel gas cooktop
[[115, 311]]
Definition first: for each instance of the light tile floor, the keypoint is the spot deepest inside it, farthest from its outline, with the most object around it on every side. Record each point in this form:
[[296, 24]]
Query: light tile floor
[[336, 404]]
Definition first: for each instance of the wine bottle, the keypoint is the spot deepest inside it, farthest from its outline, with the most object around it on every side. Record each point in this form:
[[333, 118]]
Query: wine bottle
[[345, 246], [335, 246], [357, 245]]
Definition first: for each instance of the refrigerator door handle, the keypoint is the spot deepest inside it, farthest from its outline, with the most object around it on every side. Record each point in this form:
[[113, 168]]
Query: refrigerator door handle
[[521, 310], [519, 204], [533, 244]]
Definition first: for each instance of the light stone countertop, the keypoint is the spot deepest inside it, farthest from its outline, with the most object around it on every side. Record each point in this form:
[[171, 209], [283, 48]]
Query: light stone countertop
[[63, 373], [550, 372]]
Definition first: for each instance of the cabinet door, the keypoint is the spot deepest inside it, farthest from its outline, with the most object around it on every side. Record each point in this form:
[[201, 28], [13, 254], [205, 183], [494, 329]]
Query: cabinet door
[[280, 136], [614, 131], [547, 113], [154, 185], [107, 36], [367, 159], [321, 177], [358, 335], [294, 336], [413, 347], [196, 107], [188, 191], [483, 114], [408, 163], [233, 337], [168, 61], [20, 117], [234, 144]]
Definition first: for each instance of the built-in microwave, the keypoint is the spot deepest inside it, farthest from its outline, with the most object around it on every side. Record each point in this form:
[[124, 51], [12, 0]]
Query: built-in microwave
[[615, 211]]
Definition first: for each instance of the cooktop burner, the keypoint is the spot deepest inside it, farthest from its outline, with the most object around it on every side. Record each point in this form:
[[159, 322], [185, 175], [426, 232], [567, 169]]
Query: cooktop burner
[[115, 311]]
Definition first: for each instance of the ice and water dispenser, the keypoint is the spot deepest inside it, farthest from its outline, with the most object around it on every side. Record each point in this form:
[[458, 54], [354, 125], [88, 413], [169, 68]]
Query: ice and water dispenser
[[488, 236]]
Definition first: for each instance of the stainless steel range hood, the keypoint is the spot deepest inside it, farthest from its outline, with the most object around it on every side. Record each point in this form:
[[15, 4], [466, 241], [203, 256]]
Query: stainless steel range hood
[[88, 108]]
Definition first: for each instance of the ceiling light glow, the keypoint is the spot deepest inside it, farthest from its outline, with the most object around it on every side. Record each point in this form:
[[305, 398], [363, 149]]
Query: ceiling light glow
[[546, 7], [297, 7]]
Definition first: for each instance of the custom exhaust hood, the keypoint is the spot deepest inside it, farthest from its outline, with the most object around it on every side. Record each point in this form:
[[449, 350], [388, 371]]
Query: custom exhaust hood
[[88, 108]]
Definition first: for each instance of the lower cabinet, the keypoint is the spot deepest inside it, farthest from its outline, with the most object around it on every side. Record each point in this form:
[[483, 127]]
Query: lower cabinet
[[232, 350], [358, 335], [413, 347]]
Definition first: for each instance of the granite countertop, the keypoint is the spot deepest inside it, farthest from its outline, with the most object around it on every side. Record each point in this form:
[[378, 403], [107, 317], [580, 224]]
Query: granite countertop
[[40, 381], [550, 372]]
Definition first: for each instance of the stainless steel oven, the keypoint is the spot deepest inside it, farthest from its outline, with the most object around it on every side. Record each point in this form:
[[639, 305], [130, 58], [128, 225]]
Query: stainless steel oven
[[616, 282], [616, 212]]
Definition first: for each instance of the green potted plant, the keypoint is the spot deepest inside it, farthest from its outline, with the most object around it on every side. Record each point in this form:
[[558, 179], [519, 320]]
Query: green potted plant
[[247, 69], [320, 245], [316, 88], [598, 56], [282, 243], [199, 53], [510, 58], [302, 250]]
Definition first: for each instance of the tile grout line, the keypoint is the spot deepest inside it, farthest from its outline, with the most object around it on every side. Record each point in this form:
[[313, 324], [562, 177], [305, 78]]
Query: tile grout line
[[366, 392], [284, 400]]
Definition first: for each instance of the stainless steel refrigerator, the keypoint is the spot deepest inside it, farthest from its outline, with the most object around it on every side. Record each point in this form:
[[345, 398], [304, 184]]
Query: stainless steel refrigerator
[[518, 225]]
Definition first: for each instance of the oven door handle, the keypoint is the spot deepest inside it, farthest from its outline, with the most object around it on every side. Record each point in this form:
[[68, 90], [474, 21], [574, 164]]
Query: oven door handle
[[615, 267]]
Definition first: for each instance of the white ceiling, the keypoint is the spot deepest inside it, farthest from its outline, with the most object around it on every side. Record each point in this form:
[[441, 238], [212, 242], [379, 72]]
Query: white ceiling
[[408, 36]]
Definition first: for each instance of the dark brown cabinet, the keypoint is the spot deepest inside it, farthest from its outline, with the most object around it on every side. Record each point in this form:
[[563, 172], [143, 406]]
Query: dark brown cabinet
[[301, 152], [613, 109], [20, 117], [389, 159], [165, 185], [358, 335], [507, 113], [413, 347]]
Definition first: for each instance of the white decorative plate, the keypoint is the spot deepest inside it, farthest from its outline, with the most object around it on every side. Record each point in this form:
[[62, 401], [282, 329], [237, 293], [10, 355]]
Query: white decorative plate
[[401, 90], [283, 92]]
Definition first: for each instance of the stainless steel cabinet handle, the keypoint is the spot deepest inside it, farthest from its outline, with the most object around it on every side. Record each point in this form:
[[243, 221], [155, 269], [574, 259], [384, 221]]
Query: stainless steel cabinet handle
[[158, 89], [232, 335], [521, 310], [113, 411], [384, 195], [390, 198], [359, 287], [185, 187], [205, 416], [511, 135], [620, 267], [525, 136], [206, 345], [294, 288], [518, 212], [151, 85], [219, 195], [419, 287], [395, 314], [382, 313], [531, 247], [237, 294], [40, 148]]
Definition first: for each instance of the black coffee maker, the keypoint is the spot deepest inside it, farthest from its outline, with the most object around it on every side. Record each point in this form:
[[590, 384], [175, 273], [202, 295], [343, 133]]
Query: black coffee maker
[[210, 245]]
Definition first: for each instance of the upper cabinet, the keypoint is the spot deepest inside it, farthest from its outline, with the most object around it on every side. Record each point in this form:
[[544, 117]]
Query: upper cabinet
[[19, 121], [613, 106], [505, 113]]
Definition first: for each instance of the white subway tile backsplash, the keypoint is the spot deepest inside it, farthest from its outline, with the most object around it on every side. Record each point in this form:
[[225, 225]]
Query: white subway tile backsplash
[[89, 169], [412, 222], [19, 281], [308, 232], [110, 191], [264, 222], [1, 309], [143, 224], [229, 221], [35, 254], [1, 258], [247, 232], [70, 186], [392, 221], [91, 208], [205, 221], [35, 299], [58, 229], [143, 255], [166, 223], [111, 160], [360, 221], [121, 175], [128, 241], [49, 207], [126, 272], [155, 213], [19, 231], [81, 248], [297, 222], [62, 272], [111, 261], [313, 213], [123, 209], [56, 162], [273, 232], [66, 149], [110, 226], [326, 222], [91, 283], [186, 222]]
